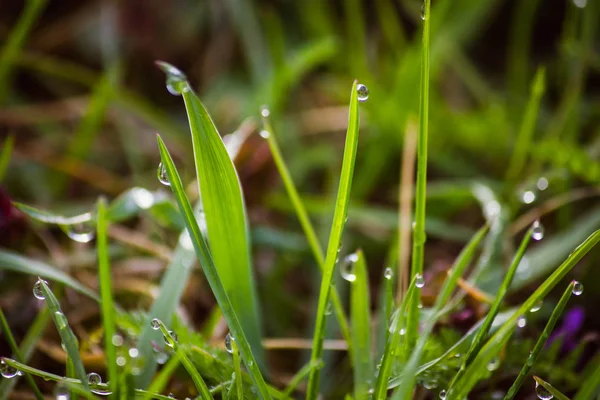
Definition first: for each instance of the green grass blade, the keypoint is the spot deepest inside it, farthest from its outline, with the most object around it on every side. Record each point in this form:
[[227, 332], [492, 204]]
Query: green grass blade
[[493, 311], [8, 336], [495, 343], [360, 317], [225, 211], [300, 375], [335, 238], [210, 271], [16, 263], [419, 236], [591, 386], [67, 336], [551, 389], [539, 346], [307, 227], [5, 155], [238, 371], [107, 303], [15, 41], [161, 380], [523, 141], [187, 363]]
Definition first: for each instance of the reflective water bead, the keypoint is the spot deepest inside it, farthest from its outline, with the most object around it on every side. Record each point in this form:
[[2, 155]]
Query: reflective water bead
[[61, 392], [542, 392], [423, 11], [521, 322], [493, 364], [8, 371], [133, 352], [388, 273], [174, 336], [61, 320], [443, 395], [228, 344], [161, 174], [419, 281], [347, 267], [37, 289], [362, 92], [528, 197], [264, 134], [94, 378], [176, 80], [580, 3], [542, 183], [82, 233], [161, 357], [430, 384], [537, 231], [577, 288], [155, 324], [117, 340], [328, 309], [264, 111], [536, 307], [121, 361]]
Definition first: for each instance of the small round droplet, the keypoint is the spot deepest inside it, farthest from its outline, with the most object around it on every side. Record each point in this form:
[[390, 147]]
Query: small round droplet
[[176, 80], [8, 371], [61, 392], [61, 320], [94, 378], [537, 306], [402, 331], [328, 309], [174, 336], [347, 267], [577, 288], [82, 233], [133, 352], [264, 134], [493, 364], [580, 3], [443, 395], [264, 111], [250, 363], [228, 343], [537, 231], [117, 340], [161, 357], [363, 92], [521, 322], [388, 273], [423, 11], [542, 183], [155, 324], [430, 383], [37, 289], [121, 361], [419, 281], [161, 174], [542, 392], [528, 197]]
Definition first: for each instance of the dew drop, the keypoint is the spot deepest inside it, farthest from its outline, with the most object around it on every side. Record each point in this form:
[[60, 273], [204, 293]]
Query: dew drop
[[176, 80], [121, 361], [580, 3], [83, 232], [8, 371], [542, 392], [537, 231], [363, 92], [61, 320], [37, 289], [133, 352], [117, 340], [402, 331], [443, 395], [536, 307], [265, 134], [61, 392], [94, 378], [577, 288], [430, 384], [161, 357], [493, 364], [388, 273], [161, 174], [347, 267], [155, 324], [528, 197], [264, 111], [173, 335], [521, 322], [102, 390], [542, 183], [228, 343], [423, 12], [250, 363], [419, 281], [328, 309]]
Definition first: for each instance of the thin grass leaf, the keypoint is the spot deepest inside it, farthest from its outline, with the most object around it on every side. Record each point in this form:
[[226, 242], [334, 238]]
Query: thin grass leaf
[[15, 41], [307, 227], [5, 155], [224, 208], [419, 236], [210, 271], [8, 336], [499, 339], [53, 218], [335, 238], [107, 303], [13, 262], [591, 386], [551, 389], [237, 370], [300, 375], [67, 336], [161, 380], [360, 317], [493, 311], [541, 342]]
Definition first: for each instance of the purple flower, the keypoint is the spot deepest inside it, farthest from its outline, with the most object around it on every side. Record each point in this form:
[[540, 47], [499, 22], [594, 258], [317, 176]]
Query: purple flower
[[569, 328]]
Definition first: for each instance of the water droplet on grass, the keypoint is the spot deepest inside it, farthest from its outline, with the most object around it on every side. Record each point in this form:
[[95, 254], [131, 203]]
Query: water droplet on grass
[[82, 233], [121, 361], [347, 267], [228, 344], [577, 288], [363, 92], [521, 322], [580, 3], [8, 371], [423, 12], [61, 392], [537, 231], [161, 174], [176, 80], [117, 340], [133, 352], [542, 183], [174, 336], [419, 281], [328, 309], [264, 111], [542, 392], [264, 134], [388, 273], [443, 395], [94, 378], [37, 290], [536, 307], [61, 320], [155, 324], [493, 364], [528, 197]]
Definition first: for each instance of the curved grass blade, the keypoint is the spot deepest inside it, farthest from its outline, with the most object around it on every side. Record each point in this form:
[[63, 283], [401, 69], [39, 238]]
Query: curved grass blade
[[499, 339], [335, 238], [555, 392], [360, 317], [419, 236], [187, 363], [307, 227], [7, 333], [493, 311], [53, 218], [17, 263], [539, 346], [224, 208], [67, 336], [210, 271], [107, 303]]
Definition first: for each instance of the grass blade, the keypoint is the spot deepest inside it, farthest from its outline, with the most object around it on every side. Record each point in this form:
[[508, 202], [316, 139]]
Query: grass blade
[[335, 238], [67, 336], [162, 378], [495, 343], [7, 333], [539, 346], [238, 371], [5, 155], [551, 389], [225, 211], [360, 317], [300, 375], [419, 236], [307, 227], [591, 386], [107, 303], [210, 271]]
